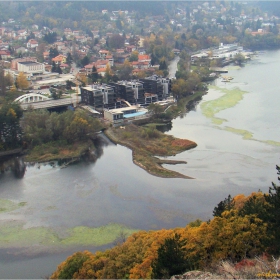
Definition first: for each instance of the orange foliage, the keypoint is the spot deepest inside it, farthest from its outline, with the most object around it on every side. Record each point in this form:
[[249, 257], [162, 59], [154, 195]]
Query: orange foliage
[[182, 143], [228, 237]]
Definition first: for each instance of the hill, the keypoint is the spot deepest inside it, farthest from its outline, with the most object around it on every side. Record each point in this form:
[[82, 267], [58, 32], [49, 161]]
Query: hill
[[242, 228]]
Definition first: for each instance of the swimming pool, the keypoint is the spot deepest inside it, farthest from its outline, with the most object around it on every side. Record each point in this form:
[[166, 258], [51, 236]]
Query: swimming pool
[[140, 113]]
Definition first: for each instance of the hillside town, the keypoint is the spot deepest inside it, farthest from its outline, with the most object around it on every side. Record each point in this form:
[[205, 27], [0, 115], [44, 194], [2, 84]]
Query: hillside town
[[124, 60], [122, 123]]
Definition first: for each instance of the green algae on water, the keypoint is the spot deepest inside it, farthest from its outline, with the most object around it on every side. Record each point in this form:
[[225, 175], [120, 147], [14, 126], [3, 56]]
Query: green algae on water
[[96, 236], [228, 100], [246, 134], [17, 236], [14, 234], [7, 205]]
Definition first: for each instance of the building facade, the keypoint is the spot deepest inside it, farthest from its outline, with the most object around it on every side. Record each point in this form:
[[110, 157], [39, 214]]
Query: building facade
[[31, 67], [98, 96]]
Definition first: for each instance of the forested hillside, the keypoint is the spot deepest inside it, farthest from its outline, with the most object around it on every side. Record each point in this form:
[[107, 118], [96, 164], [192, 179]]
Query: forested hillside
[[242, 227]]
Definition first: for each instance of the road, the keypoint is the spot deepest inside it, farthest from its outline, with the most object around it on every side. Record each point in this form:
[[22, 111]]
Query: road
[[172, 68], [75, 68]]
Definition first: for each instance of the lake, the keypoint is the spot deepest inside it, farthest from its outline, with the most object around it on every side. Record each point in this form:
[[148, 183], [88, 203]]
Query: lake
[[52, 211]]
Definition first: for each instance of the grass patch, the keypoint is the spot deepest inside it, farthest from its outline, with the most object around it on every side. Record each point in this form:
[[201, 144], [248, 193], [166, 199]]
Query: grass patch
[[146, 144], [57, 150], [228, 100]]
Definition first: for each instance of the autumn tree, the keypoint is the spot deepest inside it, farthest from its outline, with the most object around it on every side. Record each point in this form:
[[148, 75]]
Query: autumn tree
[[36, 127], [41, 127], [72, 265], [21, 81]]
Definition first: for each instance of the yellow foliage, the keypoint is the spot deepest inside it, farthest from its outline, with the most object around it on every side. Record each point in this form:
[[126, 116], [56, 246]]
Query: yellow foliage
[[12, 113], [22, 81], [228, 237]]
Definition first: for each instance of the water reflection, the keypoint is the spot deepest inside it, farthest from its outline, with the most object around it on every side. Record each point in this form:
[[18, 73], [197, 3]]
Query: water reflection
[[191, 106], [164, 127], [17, 165], [14, 164]]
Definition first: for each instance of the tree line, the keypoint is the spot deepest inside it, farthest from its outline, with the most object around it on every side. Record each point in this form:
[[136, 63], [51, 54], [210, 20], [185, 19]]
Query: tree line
[[41, 127]]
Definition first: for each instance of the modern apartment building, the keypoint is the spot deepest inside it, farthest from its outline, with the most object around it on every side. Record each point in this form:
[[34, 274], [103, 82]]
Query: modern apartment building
[[98, 96]]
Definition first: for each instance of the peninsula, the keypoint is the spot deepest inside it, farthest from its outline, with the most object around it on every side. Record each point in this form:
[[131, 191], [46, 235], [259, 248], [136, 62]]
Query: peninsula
[[147, 145]]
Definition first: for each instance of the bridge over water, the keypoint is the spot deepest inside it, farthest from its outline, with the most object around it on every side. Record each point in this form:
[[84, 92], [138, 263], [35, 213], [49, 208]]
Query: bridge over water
[[38, 101]]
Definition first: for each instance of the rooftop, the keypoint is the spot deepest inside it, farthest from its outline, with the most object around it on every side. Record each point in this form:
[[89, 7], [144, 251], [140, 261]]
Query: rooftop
[[29, 62]]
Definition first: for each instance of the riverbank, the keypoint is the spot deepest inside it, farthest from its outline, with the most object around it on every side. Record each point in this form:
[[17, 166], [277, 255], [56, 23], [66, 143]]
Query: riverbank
[[147, 144], [56, 151]]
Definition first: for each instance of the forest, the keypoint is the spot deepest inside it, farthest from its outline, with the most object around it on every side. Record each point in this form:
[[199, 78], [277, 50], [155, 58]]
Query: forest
[[243, 230]]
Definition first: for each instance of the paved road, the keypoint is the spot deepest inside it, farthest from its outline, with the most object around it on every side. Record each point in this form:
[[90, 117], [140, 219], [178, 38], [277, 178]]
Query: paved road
[[48, 104], [75, 68], [173, 67]]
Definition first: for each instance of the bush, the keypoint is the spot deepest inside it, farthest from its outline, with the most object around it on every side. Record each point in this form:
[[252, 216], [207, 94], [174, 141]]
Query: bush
[[150, 132]]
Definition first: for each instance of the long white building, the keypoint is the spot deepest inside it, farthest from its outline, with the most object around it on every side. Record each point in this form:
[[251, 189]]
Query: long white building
[[31, 67]]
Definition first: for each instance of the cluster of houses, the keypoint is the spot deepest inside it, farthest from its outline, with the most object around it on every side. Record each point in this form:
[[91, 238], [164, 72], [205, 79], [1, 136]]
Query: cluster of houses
[[218, 14]]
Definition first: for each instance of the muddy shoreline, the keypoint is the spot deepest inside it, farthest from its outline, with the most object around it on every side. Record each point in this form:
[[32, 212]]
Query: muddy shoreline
[[154, 166]]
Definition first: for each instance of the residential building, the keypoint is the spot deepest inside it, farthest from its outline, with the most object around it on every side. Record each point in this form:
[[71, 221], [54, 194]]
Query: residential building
[[139, 92], [32, 44], [103, 53], [59, 59], [4, 54], [68, 32], [124, 91], [98, 96], [153, 85]]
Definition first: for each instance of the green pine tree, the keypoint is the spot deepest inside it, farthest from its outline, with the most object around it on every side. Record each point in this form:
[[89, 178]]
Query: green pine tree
[[171, 259]]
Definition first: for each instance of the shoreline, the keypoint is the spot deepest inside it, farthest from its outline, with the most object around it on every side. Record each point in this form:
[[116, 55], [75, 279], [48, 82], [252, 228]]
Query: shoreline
[[147, 160]]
